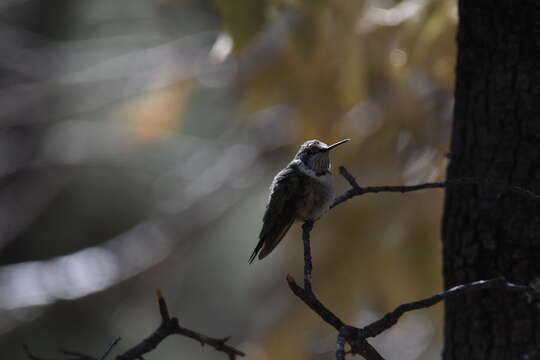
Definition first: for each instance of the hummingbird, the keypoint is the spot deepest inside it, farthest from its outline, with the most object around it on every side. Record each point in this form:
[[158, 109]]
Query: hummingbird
[[304, 190]]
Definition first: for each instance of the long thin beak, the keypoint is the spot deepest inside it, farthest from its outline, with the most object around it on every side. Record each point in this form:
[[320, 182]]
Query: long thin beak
[[338, 143]]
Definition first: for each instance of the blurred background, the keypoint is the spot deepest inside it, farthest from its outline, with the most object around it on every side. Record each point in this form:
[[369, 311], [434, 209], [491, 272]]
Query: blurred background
[[138, 139]]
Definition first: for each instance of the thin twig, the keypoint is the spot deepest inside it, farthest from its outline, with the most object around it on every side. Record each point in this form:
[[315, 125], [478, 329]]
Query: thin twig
[[171, 326], [525, 192], [391, 318], [357, 190], [357, 337], [308, 267], [168, 326], [113, 344], [74, 355], [340, 347], [163, 310], [359, 345], [311, 300]]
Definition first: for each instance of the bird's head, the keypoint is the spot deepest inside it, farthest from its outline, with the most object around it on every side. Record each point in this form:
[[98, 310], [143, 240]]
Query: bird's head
[[315, 154]]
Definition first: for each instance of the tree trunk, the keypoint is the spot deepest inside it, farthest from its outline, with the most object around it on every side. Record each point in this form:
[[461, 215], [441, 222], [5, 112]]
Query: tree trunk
[[489, 231]]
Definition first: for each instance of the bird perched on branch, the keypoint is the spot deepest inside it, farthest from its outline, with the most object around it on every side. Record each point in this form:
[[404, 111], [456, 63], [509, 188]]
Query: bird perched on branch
[[304, 190]]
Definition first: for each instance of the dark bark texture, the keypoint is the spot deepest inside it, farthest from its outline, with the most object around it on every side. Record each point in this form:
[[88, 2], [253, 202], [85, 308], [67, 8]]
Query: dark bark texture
[[487, 230]]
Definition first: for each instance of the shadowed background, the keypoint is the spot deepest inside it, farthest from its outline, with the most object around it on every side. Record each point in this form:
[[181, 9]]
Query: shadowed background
[[137, 143]]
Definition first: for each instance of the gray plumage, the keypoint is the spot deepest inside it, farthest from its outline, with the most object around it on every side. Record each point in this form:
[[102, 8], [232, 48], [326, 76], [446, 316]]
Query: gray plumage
[[304, 190]]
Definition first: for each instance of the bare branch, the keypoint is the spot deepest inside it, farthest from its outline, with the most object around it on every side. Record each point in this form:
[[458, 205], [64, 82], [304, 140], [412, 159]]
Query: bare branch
[[163, 310], [392, 318], [311, 300], [357, 337], [306, 293], [359, 345], [171, 326], [527, 193], [113, 344], [74, 355], [357, 190], [308, 267], [168, 326], [340, 347]]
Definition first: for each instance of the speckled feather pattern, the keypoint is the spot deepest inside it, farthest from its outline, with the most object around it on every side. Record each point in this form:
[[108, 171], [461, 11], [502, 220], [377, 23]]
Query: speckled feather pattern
[[318, 194], [304, 190], [296, 193]]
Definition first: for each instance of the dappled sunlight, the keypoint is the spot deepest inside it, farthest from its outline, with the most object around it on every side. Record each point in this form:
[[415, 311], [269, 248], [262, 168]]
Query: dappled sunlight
[[361, 121], [83, 272], [421, 166], [376, 16]]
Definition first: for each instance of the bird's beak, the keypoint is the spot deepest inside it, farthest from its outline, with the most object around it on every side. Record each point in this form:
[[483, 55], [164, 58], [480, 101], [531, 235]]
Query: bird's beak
[[338, 143]]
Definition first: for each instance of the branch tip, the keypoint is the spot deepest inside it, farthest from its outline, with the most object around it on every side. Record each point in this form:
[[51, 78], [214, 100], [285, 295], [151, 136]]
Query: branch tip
[[225, 339], [163, 310]]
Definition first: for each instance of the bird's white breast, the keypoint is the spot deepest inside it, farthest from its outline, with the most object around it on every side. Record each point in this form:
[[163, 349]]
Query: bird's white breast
[[319, 193]]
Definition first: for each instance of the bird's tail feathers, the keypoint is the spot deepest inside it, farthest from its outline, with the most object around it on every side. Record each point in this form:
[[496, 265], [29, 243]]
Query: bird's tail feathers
[[256, 251]]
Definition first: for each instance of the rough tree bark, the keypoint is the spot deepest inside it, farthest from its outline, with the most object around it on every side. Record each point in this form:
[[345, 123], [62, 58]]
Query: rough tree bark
[[488, 231]]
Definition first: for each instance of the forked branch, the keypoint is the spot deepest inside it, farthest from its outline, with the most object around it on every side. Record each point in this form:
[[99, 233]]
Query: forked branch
[[357, 190], [357, 337], [169, 326]]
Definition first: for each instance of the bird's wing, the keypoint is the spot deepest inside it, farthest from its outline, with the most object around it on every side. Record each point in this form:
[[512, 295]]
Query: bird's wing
[[281, 211]]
